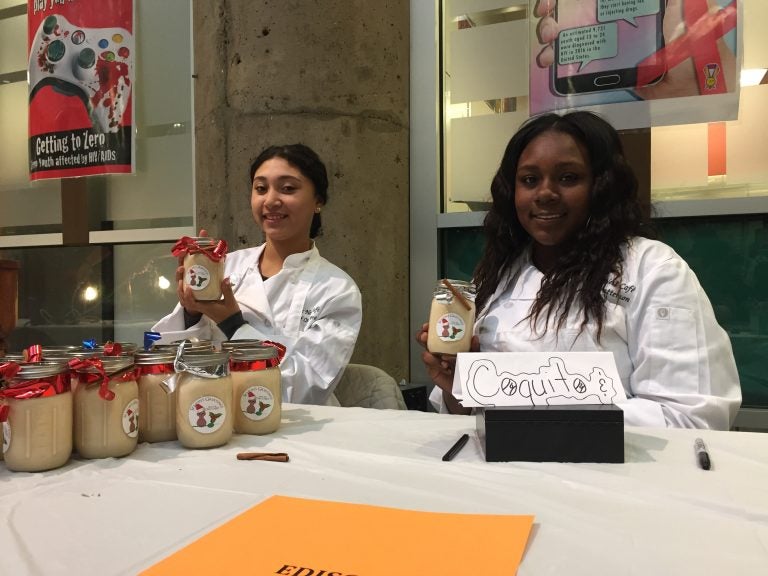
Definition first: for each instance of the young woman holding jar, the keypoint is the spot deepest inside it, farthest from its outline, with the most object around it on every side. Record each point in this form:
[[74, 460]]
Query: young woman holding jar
[[566, 267], [283, 290]]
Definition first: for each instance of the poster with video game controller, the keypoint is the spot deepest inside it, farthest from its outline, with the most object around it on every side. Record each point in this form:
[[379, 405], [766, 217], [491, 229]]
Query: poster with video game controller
[[81, 80], [638, 63]]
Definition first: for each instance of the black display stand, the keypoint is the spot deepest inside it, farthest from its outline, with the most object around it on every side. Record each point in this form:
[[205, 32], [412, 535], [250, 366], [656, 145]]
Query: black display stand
[[578, 433]]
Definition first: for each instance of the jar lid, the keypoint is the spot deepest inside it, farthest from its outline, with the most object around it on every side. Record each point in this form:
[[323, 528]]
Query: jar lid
[[203, 359], [153, 356], [111, 364], [78, 353], [203, 240], [125, 347], [44, 369], [254, 353], [235, 344], [189, 346], [64, 348], [444, 294]]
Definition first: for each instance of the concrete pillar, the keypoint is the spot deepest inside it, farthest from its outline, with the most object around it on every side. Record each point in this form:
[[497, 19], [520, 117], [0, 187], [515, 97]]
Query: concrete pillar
[[332, 74]]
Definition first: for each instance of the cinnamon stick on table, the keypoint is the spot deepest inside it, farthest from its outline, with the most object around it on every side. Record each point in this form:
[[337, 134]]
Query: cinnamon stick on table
[[269, 456]]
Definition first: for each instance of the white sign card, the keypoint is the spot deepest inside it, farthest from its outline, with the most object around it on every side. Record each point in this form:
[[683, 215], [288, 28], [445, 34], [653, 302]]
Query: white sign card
[[488, 379]]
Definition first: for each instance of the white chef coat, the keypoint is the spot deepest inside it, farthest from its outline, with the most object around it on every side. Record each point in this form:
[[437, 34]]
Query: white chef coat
[[311, 306], [675, 361]]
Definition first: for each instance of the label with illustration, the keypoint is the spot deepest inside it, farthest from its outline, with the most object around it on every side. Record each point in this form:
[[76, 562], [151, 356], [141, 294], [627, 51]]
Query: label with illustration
[[131, 418], [6, 436], [197, 277], [450, 327], [207, 414], [257, 402]]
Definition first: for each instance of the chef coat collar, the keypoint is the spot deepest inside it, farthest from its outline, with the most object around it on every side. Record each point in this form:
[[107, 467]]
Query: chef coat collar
[[299, 259]]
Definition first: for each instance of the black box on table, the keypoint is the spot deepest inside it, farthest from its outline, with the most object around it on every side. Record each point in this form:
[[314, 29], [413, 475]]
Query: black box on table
[[574, 433]]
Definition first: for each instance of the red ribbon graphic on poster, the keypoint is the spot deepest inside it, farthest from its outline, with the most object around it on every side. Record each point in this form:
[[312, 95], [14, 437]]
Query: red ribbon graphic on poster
[[81, 72]]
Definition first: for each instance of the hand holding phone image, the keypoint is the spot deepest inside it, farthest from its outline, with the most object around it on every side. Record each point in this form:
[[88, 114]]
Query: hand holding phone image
[[597, 45]]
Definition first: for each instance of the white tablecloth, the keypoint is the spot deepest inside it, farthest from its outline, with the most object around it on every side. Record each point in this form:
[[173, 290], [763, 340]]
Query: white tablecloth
[[657, 514]]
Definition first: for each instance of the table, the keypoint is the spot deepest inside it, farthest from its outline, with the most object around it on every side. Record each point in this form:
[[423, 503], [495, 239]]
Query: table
[[656, 514]]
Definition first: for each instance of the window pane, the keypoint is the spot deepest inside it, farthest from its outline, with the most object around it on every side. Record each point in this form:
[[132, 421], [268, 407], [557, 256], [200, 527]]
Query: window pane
[[71, 294], [65, 295]]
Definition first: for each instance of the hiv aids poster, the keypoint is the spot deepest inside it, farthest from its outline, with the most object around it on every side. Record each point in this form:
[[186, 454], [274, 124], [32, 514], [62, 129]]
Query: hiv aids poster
[[638, 63], [81, 87]]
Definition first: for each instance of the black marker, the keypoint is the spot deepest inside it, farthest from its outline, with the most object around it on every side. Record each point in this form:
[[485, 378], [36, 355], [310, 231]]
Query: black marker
[[701, 454], [456, 448]]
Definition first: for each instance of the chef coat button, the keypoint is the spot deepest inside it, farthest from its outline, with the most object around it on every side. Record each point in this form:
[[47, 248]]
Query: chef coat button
[[662, 313], [267, 323]]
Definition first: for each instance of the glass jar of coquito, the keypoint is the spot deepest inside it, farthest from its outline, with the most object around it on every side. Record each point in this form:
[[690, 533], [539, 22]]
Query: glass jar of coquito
[[157, 404], [106, 406], [36, 416], [203, 399], [203, 265], [257, 389], [451, 319]]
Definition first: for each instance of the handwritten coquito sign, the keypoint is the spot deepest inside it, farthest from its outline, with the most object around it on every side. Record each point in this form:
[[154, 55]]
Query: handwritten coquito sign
[[536, 379]]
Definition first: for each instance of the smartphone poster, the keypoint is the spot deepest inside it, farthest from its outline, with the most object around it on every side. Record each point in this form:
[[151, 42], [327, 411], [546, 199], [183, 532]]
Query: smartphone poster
[[637, 62], [81, 87]]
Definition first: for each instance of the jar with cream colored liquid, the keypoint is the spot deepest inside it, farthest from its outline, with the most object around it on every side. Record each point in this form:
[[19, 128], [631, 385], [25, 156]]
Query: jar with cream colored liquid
[[451, 318], [203, 389], [106, 406], [257, 389], [203, 265], [36, 416], [157, 405]]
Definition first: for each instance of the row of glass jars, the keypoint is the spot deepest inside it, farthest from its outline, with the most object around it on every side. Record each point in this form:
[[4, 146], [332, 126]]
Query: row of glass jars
[[199, 396]]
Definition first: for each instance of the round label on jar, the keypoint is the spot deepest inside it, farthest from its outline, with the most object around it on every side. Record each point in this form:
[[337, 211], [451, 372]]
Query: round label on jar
[[207, 414], [131, 419], [197, 277], [257, 402], [6, 436], [450, 327]]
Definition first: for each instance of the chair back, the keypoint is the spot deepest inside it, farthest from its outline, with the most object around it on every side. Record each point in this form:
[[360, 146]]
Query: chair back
[[368, 387]]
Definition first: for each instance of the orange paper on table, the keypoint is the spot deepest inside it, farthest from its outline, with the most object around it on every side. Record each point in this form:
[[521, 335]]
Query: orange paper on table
[[298, 537]]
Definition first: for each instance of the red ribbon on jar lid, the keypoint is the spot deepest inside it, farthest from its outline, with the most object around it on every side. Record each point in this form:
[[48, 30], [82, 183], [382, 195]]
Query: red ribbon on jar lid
[[30, 389], [34, 353], [90, 378], [112, 349], [186, 245], [9, 370], [280, 348], [248, 365]]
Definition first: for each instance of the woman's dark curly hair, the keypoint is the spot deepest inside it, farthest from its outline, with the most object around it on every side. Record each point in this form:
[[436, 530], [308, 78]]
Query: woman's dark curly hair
[[309, 164], [594, 254]]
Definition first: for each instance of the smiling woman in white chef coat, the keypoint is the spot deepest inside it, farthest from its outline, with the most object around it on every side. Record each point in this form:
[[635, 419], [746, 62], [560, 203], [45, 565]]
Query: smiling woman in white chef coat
[[566, 268], [283, 290]]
